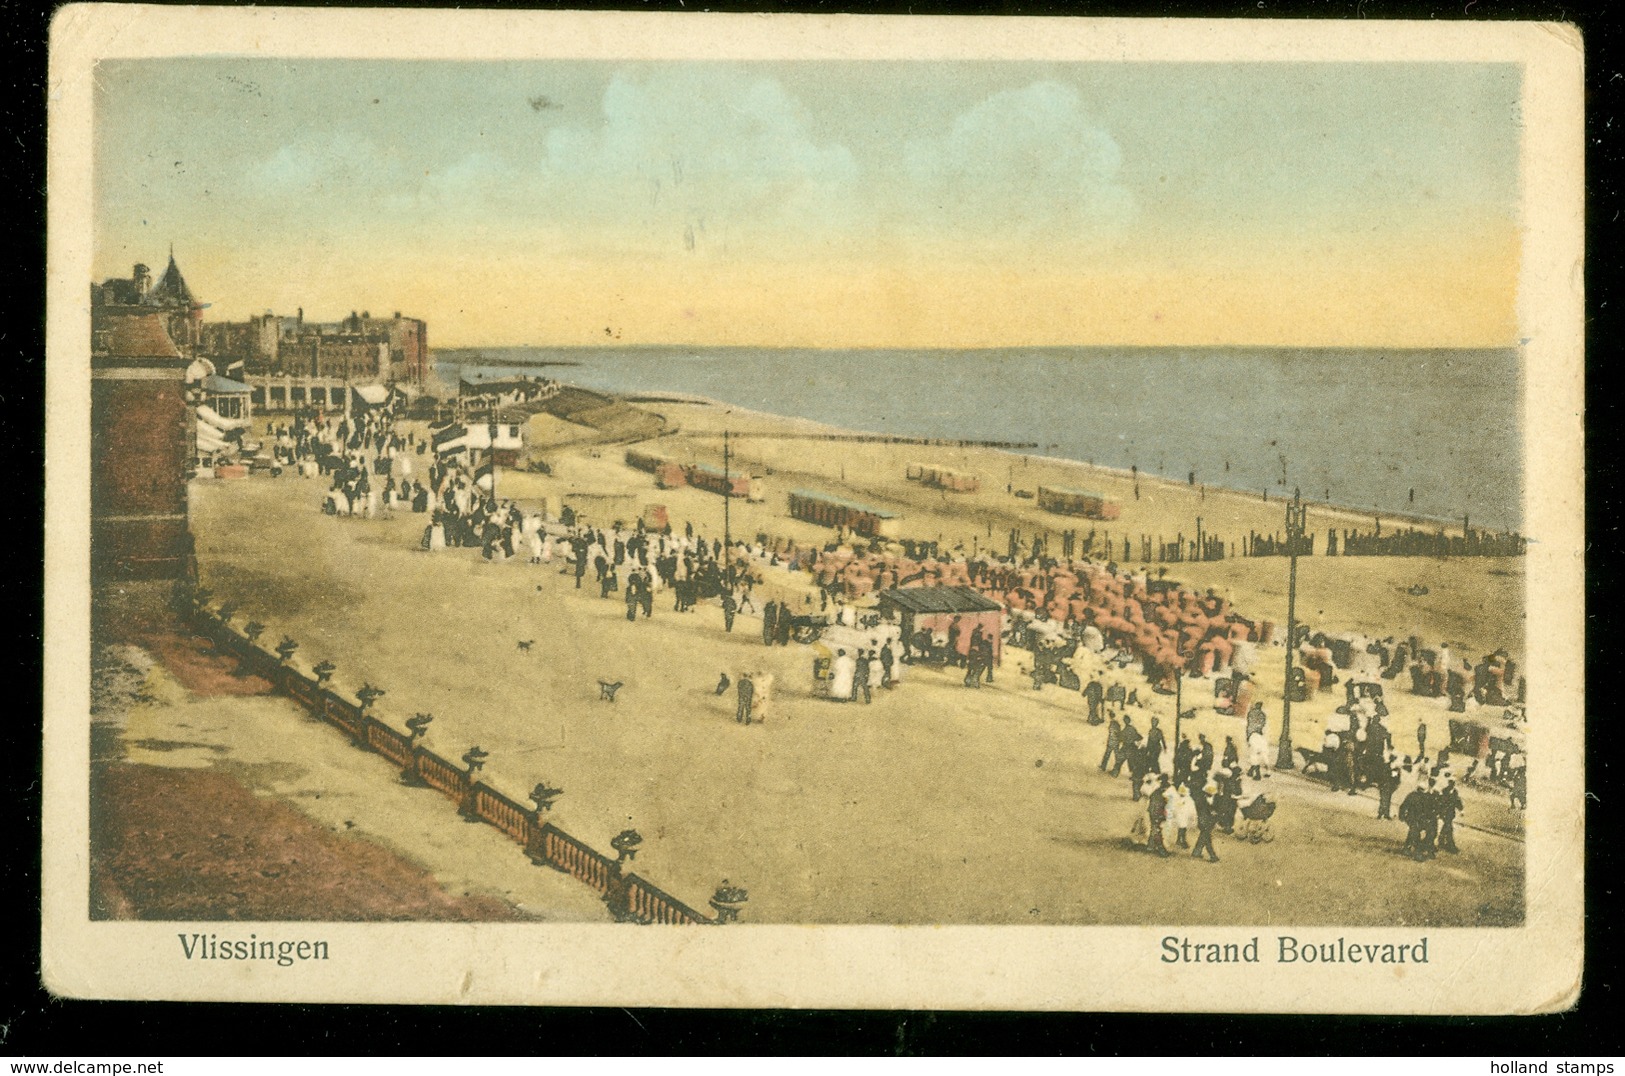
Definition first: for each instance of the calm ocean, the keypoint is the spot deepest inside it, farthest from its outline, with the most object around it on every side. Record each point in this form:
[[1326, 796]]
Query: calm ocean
[[1369, 426]]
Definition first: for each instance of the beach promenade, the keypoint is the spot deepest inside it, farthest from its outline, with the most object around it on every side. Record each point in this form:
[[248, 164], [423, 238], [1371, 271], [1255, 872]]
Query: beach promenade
[[933, 805]]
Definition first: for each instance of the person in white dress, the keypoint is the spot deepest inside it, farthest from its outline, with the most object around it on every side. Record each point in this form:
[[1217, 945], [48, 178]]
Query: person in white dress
[[842, 673], [1258, 754], [437, 537], [1182, 815]]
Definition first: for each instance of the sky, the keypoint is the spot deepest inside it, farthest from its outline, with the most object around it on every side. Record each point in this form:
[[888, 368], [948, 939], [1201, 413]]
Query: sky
[[827, 204]]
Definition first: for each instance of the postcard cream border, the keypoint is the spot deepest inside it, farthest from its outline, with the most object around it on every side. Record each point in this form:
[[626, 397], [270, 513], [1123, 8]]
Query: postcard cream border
[[1533, 968]]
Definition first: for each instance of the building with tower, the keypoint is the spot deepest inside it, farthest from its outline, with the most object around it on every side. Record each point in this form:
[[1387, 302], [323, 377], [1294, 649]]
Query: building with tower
[[168, 295]]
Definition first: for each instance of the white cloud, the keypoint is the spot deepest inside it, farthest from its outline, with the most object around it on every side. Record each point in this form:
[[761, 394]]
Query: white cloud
[[1023, 163], [334, 164], [699, 159], [289, 168], [700, 155]]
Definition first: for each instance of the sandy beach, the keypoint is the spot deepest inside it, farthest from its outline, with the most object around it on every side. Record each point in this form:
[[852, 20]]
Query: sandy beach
[[1475, 601], [933, 804]]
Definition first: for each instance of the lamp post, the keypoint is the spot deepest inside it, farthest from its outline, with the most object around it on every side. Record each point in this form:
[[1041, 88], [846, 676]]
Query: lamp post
[[493, 456], [727, 533], [1179, 711], [1295, 520]]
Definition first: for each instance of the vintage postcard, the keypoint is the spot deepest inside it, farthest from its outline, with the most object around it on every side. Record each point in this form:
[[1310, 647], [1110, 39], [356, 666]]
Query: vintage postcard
[[726, 510]]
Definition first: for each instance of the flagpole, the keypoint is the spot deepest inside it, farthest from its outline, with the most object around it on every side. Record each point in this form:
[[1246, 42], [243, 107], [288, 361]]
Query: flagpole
[[1296, 524], [493, 457], [727, 497]]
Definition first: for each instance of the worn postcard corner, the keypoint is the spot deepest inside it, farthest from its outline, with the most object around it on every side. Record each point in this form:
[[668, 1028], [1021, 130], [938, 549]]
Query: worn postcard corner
[[558, 508]]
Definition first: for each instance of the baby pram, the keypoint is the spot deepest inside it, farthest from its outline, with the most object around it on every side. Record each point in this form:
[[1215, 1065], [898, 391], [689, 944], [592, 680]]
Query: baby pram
[[1255, 820]]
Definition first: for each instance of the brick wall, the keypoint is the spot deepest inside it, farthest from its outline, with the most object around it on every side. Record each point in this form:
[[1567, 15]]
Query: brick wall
[[140, 443]]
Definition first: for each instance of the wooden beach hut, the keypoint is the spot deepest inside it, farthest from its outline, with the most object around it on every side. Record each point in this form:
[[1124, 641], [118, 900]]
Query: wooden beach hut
[[1065, 501], [934, 609]]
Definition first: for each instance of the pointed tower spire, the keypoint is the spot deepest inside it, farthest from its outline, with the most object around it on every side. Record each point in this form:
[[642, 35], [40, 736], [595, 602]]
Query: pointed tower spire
[[171, 288]]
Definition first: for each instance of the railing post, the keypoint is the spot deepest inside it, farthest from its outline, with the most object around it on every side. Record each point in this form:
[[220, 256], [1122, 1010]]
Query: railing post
[[544, 796], [416, 725], [474, 758], [366, 697], [245, 659], [728, 901], [616, 893], [629, 898]]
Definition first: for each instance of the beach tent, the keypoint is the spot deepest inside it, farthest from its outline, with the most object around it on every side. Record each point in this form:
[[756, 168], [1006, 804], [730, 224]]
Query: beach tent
[[935, 608], [372, 395], [214, 418], [215, 434], [450, 440], [209, 441]]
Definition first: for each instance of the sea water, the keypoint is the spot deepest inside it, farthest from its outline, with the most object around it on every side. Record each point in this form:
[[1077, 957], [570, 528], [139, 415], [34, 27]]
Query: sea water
[[1368, 429]]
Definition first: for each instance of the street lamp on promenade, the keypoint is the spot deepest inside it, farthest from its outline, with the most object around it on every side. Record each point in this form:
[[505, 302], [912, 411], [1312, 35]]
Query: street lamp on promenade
[[493, 456], [1179, 709], [727, 532], [1295, 528]]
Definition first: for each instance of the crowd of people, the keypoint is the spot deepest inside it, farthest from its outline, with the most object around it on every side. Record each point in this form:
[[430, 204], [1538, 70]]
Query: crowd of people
[[370, 465], [1187, 786], [1198, 786], [1190, 789], [858, 674]]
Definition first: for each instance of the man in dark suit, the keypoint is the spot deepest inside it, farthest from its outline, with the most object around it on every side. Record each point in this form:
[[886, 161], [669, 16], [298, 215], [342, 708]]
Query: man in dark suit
[[1449, 802], [1428, 817], [1206, 819], [1128, 744], [1410, 813], [1184, 755], [1092, 692], [1114, 741], [1155, 744]]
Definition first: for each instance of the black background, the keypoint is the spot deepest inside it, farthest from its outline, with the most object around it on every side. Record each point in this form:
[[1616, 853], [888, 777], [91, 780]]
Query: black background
[[32, 1022]]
